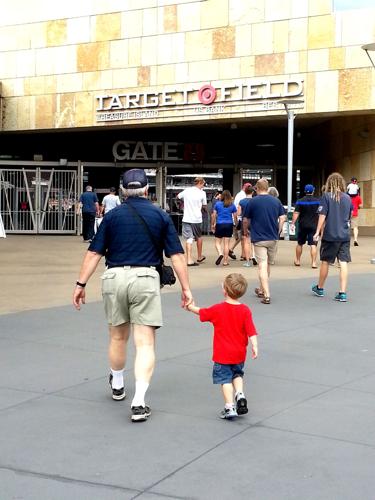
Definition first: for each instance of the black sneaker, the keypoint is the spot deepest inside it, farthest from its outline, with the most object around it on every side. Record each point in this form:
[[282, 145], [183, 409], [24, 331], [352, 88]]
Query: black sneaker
[[140, 413], [242, 406], [255, 263], [117, 394]]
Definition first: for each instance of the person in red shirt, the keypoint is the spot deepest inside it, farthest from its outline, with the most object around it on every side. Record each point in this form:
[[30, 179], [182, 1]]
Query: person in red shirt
[[357, 203], [233, 325]]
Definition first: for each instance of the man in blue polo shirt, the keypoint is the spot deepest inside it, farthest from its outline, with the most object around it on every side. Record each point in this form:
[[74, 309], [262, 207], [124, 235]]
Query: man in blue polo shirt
[[265, 215], [89, 204], [131, 285]]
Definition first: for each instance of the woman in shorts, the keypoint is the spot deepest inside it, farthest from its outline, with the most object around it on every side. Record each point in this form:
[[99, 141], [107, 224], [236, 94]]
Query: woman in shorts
[[224, 217]]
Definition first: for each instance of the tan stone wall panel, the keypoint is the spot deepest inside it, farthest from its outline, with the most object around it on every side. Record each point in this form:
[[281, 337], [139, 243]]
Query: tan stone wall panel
[[298, 29], [10, 107], [318, 60], [262, 38], [292, 63], [182, 73], [280, 36], [23, 113], [150, 22], [135, 51], [366, 194], [354, 89], [204, 71], [309, 90], [65, 111], [118, 53], [326, 91], [124, 78], [358, 26], [131, 24], [107, 27], [228, 68], [78, 30], [303, 61], [170, 48], [72, 82], [320, 7], [93, 56], [198, 45], [149, 50], [25, 63], [270, 64], [84, 109], [143, 79], [214, 14], [275, 10], [223, 43], [249, 12], [170, 18], [247, 67], [299, 8], [243, 40], [45, 107], [189, 17], [321, 32], [56, 32], [365, 160], [166, 74], [337, 58]]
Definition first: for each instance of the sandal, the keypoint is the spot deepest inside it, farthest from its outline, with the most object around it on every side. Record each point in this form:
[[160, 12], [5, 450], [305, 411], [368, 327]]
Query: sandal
[[232, 255], [219, 259], [259, 293], [266, 300]]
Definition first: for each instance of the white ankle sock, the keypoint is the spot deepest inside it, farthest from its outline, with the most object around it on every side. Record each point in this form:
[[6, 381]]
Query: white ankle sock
[[118, 379], [140, 391], [229, 406], [239, 395]]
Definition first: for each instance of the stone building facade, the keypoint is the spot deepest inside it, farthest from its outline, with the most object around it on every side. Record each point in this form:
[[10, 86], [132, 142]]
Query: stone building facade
[[162, 63]]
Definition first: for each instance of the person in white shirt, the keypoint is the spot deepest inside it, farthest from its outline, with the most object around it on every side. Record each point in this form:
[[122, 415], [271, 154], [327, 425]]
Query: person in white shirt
[[110, 201], [195, 200]]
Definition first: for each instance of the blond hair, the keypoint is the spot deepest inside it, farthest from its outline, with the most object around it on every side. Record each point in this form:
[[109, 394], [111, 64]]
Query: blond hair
[[235, 285], [262, 184], [335, 185], [198, 180]]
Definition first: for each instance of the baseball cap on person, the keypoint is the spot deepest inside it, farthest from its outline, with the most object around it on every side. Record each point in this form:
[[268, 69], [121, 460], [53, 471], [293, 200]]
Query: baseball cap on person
[[354, 179], [134, 179], [247, 184], [309, 188]]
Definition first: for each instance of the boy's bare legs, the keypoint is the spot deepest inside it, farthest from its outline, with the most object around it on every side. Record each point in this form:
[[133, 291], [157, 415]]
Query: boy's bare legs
[[343, 276], [323, 273], [227, 390], [241, 402], [238, 385]]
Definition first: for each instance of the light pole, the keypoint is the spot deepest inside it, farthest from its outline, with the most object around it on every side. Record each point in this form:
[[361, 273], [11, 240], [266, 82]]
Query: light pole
[[291, 117], [370, 47]]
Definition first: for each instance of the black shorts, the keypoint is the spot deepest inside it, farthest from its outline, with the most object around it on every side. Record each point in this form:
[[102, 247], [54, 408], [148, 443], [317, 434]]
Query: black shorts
[[304, 235], [332, 250], [223, 230]]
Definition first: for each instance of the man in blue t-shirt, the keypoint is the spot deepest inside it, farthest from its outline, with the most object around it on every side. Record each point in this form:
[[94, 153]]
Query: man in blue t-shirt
[[334, 228], [89, 205], [133, 237], [265, 215]]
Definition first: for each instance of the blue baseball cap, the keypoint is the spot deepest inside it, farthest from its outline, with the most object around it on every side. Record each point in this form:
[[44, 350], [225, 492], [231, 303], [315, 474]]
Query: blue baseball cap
[[309, 188], [134, 178]]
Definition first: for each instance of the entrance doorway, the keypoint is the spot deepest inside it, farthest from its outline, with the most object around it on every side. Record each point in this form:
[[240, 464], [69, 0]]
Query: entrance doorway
[[37, 200]]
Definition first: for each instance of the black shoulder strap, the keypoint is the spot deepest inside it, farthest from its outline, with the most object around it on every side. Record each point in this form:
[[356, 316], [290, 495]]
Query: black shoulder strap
[[151, 236]]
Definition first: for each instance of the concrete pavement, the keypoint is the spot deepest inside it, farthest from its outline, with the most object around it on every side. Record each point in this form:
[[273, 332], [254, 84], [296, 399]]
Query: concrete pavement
[[310, 432]]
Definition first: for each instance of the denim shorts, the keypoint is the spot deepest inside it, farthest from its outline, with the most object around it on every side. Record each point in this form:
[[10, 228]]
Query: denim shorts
[[224, 374]]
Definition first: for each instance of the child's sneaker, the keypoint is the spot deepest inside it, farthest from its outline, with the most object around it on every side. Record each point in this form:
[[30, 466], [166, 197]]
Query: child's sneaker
[[140, 413], [228, 413], [319, 292], [341, 297], [242, 406], [247, 264], [117, 394]]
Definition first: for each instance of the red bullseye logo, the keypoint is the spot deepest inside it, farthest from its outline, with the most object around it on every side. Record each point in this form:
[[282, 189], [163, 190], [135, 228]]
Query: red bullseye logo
[[207, 94]]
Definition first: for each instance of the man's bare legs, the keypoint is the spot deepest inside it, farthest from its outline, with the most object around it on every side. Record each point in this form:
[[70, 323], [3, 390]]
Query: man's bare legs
[[323, 273], [343, 276], [313, 253], [264, 272], [118, 340], [144, 340], [199, 248], [299, 249]]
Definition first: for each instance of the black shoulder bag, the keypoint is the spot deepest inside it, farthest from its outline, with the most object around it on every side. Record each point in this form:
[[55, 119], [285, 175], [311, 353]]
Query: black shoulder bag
[[166, 273]]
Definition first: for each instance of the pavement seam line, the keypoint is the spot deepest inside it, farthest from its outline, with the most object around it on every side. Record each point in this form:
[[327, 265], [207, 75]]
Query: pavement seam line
[[65, 479]]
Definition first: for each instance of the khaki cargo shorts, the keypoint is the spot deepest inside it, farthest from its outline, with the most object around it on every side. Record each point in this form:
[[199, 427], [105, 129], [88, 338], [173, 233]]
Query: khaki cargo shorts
[[354, 222], [132, 295], [265, 250]]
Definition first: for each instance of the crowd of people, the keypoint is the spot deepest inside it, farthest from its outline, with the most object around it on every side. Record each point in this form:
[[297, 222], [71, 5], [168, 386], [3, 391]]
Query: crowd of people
[[135, 235]]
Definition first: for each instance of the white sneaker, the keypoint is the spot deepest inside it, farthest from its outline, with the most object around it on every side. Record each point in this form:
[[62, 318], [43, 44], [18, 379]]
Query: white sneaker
[[228, 413]]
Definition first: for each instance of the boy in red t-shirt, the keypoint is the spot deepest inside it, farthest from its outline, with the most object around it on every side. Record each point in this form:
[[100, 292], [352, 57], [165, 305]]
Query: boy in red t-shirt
[[233, 325]]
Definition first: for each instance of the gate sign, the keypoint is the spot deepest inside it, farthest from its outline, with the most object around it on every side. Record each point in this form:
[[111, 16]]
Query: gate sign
[[241, 96]]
